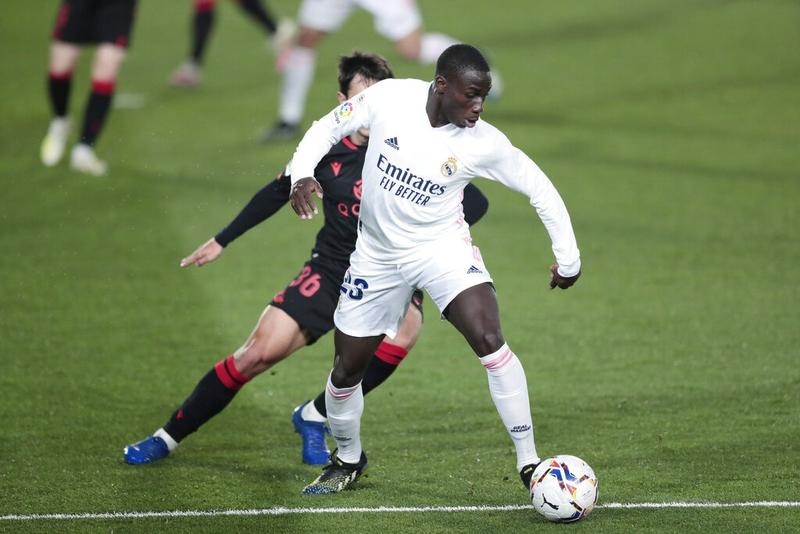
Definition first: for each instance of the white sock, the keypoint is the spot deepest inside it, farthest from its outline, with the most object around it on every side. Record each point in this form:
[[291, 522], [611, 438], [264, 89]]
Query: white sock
[[297, 80], [509, 391], [433, 44], [310, 413], [345, 406], [171, 443]]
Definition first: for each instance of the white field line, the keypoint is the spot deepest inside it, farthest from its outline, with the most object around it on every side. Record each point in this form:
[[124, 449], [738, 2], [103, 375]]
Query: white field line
[[385, 509]]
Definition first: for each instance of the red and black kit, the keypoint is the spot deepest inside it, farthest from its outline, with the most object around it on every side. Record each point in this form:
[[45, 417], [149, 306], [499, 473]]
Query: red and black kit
[[95, 21], [310, 299]]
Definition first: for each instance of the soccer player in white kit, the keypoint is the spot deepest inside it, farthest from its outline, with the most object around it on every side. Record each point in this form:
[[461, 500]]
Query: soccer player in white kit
[[399, 21], [428, 142]]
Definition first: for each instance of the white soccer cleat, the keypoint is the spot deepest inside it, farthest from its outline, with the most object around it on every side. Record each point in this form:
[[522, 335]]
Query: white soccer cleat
[[187, 75], [282, 41], [55, 142], [83, 159]]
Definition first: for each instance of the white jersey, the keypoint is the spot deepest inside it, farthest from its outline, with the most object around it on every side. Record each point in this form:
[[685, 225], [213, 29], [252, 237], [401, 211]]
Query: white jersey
[[414, 174]]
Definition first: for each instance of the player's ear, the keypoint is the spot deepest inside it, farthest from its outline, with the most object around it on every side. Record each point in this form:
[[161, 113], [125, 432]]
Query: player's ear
[[340, 96], [439, 84]]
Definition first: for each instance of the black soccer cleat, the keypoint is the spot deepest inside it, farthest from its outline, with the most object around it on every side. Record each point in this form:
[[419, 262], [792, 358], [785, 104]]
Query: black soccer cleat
[[282, 131], [336, 476], [526, 474]]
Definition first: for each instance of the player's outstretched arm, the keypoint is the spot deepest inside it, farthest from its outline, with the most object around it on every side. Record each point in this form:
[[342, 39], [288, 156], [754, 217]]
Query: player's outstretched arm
[[556, 280], [302, 197], [205, 253]]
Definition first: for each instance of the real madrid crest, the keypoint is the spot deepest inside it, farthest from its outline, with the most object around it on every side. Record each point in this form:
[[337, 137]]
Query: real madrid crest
[[449, 167]]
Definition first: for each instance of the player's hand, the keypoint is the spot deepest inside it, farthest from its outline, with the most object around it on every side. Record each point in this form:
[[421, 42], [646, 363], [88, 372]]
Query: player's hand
[[561, 281], [302, 197], [205, 253]]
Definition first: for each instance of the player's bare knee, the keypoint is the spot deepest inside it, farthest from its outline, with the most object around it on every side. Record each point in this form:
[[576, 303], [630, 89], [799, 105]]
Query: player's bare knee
[[253, 359], [410, 46], [411, 52], [245, 363], [342, 378], [108, 62], [488, 342], [309, 38], [405, 339], [63, 57]]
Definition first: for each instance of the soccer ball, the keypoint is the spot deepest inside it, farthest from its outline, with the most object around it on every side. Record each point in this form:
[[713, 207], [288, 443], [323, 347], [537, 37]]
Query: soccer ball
[[563, 489]]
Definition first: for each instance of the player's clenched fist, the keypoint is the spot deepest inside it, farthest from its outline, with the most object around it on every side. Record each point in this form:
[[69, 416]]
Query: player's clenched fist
[[561, 281]]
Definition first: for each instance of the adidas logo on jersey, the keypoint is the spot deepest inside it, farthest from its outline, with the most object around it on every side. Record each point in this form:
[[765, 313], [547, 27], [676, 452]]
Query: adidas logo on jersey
[[392, 142], [474, 270]]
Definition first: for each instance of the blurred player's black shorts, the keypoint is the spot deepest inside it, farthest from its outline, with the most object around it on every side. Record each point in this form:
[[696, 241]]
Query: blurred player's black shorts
[[95, 21]]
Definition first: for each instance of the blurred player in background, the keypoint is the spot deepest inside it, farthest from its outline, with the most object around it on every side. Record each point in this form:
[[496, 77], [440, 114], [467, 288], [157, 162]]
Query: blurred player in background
[[399, 21], [279, 36], [303, 311], [108, 24]]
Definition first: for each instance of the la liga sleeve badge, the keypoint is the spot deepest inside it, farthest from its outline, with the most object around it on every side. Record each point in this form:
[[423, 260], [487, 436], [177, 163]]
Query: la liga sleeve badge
[[343, 112]]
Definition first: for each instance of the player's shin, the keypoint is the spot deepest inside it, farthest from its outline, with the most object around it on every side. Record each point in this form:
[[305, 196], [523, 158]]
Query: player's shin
[[509, 391], [297, 80], [97, 108], [345, 406], [211, 395], [386, 359]]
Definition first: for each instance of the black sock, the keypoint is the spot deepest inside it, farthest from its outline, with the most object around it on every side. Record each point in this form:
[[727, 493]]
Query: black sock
[[387, 357], [257, 10], [211, 395], [59, 87], [377, 372], [319, 404], [203, 23], [96, 111]]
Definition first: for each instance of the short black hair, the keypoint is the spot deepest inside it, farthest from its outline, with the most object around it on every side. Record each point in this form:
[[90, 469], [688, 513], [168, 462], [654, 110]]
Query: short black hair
[[370, 66], [460, 58]]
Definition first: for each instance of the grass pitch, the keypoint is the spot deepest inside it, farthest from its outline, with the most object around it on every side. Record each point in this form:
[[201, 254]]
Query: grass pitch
[[671, 130]]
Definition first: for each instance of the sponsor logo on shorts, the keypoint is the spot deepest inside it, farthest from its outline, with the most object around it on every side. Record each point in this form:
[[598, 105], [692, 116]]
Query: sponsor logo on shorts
[[474, 270]]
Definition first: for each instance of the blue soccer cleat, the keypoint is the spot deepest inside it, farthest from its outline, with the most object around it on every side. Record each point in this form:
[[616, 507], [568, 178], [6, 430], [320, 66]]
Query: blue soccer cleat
[[148, 450], [315, 450]]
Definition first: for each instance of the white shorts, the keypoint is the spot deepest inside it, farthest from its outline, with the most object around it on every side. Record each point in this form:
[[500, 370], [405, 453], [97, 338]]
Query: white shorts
[[375, 296], [394, 19]]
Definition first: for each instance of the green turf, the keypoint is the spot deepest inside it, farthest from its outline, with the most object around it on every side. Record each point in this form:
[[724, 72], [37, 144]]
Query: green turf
[[671, 129]]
